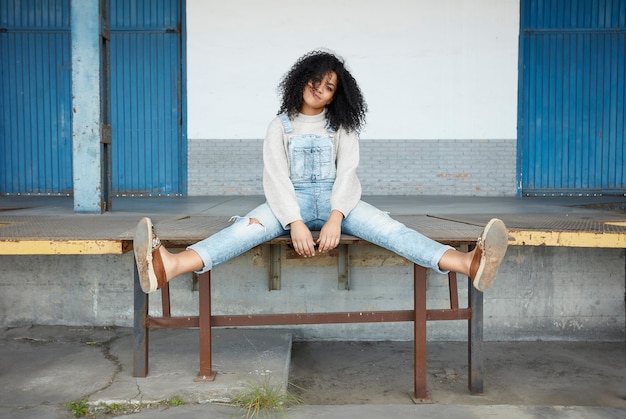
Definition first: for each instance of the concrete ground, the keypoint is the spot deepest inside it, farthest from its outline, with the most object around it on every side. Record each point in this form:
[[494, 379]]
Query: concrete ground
[[45, 367]]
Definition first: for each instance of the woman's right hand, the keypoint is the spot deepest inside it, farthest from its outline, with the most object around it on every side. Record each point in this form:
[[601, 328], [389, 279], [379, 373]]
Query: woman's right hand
[[302, 239]]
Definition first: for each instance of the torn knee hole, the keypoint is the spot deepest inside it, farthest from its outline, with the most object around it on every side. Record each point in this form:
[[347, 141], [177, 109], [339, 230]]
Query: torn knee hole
[[254, 221]]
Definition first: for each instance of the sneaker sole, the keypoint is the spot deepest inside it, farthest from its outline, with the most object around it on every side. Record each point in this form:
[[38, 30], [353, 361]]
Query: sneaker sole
[[142, 246], [494, 242]]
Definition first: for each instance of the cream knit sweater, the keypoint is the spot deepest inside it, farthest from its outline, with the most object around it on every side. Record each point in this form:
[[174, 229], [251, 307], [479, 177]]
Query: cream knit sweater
[[277, 186]]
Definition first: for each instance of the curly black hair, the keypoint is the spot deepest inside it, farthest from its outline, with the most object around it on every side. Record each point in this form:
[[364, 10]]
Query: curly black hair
[[348, 107]]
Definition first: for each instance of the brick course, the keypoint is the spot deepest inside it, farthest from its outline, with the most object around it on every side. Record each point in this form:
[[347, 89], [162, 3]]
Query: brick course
[[388, 167]]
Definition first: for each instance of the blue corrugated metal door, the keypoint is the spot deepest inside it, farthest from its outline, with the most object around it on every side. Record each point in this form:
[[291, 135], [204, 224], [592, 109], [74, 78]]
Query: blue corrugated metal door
[[146, 105], [572, 96], [35, 97]]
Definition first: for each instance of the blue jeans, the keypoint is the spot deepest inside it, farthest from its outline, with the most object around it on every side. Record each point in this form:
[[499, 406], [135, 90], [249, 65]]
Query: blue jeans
[[364, 221], [313, 172]]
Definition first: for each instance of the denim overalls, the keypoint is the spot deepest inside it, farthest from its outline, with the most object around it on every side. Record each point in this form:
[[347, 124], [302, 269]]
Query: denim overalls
[[313, 172]]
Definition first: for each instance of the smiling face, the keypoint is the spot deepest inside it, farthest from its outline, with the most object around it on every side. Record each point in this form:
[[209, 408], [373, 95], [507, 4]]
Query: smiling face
[[317, 95]]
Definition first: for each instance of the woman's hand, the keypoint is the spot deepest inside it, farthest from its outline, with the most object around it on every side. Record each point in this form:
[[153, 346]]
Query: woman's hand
[[302, 239], [330, 233]]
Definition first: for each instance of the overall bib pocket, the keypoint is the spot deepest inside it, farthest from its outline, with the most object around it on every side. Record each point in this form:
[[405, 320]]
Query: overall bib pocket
[[312, 159]]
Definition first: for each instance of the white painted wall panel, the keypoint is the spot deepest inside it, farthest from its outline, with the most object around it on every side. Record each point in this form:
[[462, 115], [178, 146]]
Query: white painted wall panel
[[429, 69]]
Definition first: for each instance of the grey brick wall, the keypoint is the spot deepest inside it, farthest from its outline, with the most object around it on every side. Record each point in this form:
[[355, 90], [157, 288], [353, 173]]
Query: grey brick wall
[[225, 167], [388, 167]]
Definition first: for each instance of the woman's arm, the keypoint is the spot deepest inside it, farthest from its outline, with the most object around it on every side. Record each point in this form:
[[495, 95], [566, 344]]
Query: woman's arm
[[279, 191], [330, 233], [347, 188], [277, 186]]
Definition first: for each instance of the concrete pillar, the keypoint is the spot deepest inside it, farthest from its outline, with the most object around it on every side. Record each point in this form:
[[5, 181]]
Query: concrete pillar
[[86, 102]]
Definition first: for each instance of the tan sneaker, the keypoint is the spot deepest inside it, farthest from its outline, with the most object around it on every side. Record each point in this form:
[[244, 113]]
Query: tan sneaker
[[490, 249], [148, 258]]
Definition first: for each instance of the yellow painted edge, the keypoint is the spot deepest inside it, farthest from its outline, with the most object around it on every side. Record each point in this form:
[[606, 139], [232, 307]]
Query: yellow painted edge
[[118, 247], [64, 247], [567, 239]]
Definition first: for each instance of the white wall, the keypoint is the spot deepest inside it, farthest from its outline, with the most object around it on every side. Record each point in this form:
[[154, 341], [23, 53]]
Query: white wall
[[429, 69]]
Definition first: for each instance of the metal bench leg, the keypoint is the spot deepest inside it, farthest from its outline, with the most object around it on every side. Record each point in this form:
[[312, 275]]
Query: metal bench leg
[[275, 267], [343, 268], [140, 328], [475, 341], [420, 373], [206, 359], [165, 300]]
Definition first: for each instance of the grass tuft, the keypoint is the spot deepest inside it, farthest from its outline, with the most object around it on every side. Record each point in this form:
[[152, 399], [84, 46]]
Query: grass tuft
[[264, 400]]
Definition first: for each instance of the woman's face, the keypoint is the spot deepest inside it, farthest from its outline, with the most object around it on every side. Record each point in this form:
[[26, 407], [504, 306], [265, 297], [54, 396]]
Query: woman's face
[[316, 96]]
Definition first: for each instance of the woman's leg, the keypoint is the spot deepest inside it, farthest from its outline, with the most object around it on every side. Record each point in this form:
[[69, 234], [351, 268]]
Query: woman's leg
[[456, 261], [156, 269], [481, 264], [255, 228], [176, 264], [376, 226]]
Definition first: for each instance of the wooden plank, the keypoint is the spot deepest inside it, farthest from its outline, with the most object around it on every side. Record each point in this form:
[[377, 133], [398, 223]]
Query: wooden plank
[[345, 239], [64, 247], [567, 239]]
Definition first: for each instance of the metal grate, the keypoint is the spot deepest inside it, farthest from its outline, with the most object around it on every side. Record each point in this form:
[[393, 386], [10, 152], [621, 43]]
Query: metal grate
[[548, 222]]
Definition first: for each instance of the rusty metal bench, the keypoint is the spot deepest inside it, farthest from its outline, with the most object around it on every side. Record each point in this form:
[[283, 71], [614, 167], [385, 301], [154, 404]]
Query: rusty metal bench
[[205, 320]]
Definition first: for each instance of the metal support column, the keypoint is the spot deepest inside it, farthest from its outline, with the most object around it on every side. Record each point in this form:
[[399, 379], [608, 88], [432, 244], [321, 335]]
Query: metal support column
[[140, 328], [86, 103], [206, 359], [475, 340], [419, 289]]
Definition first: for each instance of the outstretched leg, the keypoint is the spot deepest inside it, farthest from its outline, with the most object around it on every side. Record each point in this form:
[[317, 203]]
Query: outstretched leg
[[488, 254], [156, 265], [456, 261], [481, 264]]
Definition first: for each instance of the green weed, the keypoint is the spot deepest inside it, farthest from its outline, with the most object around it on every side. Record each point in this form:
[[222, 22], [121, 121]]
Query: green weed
[[78, 408], [81, 408], [264, 399]]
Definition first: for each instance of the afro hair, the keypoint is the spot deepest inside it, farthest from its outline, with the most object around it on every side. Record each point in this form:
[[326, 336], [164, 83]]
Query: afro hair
[[348, 108]]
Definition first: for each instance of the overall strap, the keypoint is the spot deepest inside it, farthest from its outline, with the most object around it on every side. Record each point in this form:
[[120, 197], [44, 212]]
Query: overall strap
[[286, 123]]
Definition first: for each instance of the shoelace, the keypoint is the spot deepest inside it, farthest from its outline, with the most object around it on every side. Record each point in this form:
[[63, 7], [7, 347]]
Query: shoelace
[[156, 242]]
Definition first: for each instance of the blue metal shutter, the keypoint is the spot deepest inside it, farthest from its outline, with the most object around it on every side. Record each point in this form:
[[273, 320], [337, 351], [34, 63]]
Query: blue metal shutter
[[572, 97], [35, 97], [149, 149]]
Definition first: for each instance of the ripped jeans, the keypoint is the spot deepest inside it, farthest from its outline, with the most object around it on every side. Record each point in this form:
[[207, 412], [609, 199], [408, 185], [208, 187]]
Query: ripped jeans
[[364, 221]]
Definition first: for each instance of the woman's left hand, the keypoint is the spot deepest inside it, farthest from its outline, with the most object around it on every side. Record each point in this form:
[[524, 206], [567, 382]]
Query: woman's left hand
[[330, 233]]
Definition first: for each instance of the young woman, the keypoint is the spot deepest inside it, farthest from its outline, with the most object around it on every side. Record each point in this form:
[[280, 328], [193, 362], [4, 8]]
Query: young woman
[[310, 157]]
